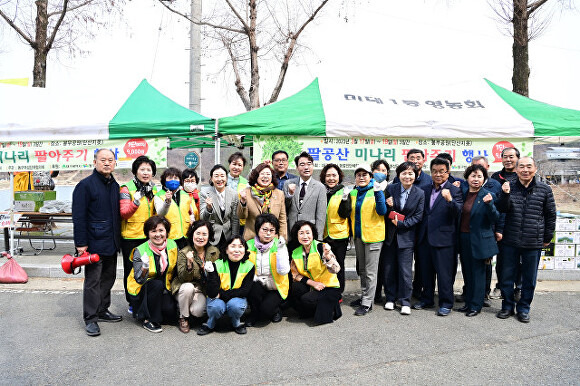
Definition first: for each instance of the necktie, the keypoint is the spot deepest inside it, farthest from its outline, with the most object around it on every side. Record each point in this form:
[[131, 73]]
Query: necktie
[[302, 192]]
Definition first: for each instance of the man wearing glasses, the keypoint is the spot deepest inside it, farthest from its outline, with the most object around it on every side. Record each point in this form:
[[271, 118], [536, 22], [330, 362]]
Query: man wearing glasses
[[436, 239], [280, 166]]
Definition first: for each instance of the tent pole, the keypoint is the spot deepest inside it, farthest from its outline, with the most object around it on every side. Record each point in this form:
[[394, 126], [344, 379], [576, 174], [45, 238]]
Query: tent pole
[[217, 142], [12, 224]]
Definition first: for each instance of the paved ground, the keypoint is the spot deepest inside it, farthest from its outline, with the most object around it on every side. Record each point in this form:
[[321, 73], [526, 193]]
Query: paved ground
[[43, 342]]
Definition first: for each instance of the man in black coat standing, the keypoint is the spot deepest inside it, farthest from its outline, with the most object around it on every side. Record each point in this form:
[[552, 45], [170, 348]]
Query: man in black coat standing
[[529, 225], [97, 229]]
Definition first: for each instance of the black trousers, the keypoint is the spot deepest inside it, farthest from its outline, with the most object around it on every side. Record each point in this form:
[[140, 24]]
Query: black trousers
[[264, 303], [154, 303], [127, 246], [339, 247], [99, 279], [323, 305]]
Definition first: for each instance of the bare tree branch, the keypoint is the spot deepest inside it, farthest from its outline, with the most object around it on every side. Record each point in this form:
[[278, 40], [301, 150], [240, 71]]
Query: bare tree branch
[[238, 82], [199, 22], [57, 25], [24, 36]]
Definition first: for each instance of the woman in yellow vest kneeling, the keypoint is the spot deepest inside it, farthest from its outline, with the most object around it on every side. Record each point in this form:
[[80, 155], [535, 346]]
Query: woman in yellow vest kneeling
[[149, 283], [315, 290], [269, 255], [229, 281]]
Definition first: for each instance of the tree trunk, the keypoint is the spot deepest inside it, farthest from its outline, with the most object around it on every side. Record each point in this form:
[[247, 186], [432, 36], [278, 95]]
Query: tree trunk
[[254, 92], [39, 46], [521, 69]]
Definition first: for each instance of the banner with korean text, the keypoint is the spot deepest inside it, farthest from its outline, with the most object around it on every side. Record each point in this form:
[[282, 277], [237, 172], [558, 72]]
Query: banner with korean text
[[77, 154], [347, 153]]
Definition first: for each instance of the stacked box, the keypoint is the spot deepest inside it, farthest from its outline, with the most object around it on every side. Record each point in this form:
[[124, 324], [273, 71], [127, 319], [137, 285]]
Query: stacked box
[[566, 244], [546, 262], [566, 224], [566, 263], [565, 250], [32, 200], [564, 237]]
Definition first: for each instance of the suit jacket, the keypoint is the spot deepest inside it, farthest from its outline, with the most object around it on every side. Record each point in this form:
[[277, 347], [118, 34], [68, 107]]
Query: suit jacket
[[228, 223], [253, 209], [413, 212], [481, 223], [439, 225], [313, 206]]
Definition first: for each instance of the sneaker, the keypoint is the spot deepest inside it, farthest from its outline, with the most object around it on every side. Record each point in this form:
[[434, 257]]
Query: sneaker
[[405, 310], [495, 294], [363, 310], [130, 310], [241, 329], [389, 306], [152, 326], [486, 303], [204, 329]]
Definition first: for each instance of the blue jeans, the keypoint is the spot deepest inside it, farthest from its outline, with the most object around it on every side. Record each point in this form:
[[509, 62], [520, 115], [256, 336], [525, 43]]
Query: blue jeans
[[235, 308], [530, 258]]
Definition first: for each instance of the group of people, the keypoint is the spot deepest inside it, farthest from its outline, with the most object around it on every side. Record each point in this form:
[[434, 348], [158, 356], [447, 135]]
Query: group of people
[[277, 240]]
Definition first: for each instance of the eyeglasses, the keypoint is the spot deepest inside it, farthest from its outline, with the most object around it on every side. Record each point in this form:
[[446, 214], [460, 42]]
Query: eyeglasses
[[280, 161], [268, 230]]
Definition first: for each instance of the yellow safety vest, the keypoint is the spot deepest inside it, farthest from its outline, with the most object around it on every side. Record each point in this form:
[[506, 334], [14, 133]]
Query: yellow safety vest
[[133, 287], [336, 227], [316, 270], [223, 270], [178, 216], [372, 225], [282, 281], [132, 228]]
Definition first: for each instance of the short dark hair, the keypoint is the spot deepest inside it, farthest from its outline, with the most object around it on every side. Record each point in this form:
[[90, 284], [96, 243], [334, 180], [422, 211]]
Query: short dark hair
[[279, 152], [325, 170], [213, 169], [188, 173], [474, 168], [304, 154], [152, 223], [299, 224], [511, 148], [237, 155], [266, 218], [406, 166], [447, 157], [195, 226], [378, 162], [224, 255], [439, 161], [255, 173], [143, 159], [415, 151], [170, 172]]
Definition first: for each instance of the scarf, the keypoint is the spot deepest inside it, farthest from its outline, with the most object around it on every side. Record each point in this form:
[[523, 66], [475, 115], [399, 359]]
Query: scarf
[[261, 246], [362, 189], [332, 191], [145, 189], [163, 261], [263, 195]]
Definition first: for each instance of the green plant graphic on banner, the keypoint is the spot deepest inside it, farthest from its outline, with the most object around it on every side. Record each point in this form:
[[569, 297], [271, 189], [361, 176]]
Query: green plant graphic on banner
[[273, 143]]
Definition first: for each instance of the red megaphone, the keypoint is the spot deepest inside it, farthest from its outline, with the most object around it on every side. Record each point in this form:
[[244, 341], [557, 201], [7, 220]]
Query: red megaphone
[[70, 263]]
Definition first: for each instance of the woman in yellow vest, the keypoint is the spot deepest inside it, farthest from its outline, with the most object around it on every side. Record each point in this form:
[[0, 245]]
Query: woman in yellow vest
[[175, 204], [136, 203], [149, 283], [336, 231], [366, 203], [269, 255], [229, 281], [188, 286], [190, 185], [315, 288]]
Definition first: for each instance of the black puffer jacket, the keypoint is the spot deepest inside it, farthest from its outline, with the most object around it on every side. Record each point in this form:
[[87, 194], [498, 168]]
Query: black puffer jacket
[[530, 215]]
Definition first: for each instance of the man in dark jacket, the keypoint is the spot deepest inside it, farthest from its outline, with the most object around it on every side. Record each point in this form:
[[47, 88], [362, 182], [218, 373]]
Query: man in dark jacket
[[97, 229], [529, 225]]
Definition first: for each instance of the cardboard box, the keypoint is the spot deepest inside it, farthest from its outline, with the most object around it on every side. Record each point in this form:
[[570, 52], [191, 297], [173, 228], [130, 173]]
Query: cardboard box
[[576, 237], [578, 263], [565, 250], [565, 237], [566, 224], [577, 250], [546, 262], [565, 263], [25, 206], [35, 195]]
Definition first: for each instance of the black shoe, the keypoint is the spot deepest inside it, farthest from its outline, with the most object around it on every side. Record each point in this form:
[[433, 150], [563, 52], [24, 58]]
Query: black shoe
[[363, 310], [355, 303], [462, 309], [487, 303], [277, 318], [524, 317], [152, 327], [471, 313], [422, 306], [204, 330], [504, 314], [93, 329], [241, 329], [107, 316]]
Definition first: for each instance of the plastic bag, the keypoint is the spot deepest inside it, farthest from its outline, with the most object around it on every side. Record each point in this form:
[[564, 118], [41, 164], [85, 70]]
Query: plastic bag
[[11, 272]]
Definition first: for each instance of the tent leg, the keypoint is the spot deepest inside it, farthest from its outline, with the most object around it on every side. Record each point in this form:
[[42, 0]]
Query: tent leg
[[217, 142]]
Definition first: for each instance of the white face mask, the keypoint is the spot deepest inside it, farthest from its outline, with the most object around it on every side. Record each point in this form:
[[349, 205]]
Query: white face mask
[[189, 186]]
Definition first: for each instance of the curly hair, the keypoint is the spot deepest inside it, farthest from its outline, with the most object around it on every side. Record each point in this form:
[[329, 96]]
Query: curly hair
[[255, 173]]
